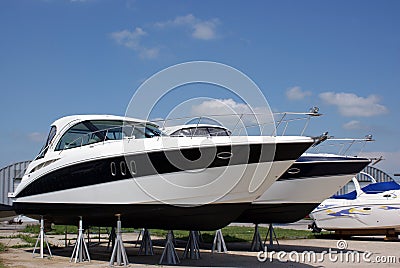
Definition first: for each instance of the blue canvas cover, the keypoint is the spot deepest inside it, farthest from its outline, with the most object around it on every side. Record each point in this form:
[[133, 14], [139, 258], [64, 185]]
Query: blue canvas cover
[[349, 196], [380, 187], [373, 188]]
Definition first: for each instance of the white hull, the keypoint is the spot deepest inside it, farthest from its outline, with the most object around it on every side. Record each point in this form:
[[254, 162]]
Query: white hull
[[133, 190], [372, 216], [367, 211], [303, 190]]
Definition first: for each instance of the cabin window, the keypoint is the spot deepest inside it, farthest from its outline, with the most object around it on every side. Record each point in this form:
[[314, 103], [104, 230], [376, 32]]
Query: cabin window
[[50, 137], [201, 132], [93, 131], [217, 131]]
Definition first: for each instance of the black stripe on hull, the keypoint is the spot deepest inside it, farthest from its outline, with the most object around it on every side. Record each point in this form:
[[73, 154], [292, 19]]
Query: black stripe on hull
[[323, 168], [276, 213], [99, 171], [205, 217]]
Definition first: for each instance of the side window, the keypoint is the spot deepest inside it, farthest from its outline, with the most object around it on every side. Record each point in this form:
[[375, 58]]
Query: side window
[[76, 136], [217, 131], [50, 138], [187, 132], [200, 132], [93, 131]]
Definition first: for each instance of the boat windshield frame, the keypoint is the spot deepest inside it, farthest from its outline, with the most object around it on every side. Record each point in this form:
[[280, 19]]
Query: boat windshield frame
[[89, 132], [50, 138]]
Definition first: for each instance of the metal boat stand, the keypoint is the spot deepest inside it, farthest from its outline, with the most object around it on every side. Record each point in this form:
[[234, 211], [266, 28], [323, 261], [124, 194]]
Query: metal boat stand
[[271, 235], [219, 243], [173, 237], [169, 254], [199, 236], [256, 243], [146, 246], [111, 238], [192, 250], [139, 236], [42, 238], [80, 251], [119, 253]]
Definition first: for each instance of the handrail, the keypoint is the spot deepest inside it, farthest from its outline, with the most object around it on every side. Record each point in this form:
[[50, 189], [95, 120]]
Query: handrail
[[237, 126], [345, 144]]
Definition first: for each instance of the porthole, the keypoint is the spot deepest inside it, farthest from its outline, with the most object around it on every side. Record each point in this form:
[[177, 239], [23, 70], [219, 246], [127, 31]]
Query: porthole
[[123, 168], [224, 155], [113, 168], [293, 170], [133, 167]]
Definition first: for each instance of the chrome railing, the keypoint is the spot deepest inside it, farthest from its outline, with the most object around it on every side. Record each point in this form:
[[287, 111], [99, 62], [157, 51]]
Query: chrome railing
[[343, 146], [239, 123], [244, 121]]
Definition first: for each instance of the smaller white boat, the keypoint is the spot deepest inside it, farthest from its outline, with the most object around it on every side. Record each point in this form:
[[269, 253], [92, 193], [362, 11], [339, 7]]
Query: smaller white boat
[[373, 207]]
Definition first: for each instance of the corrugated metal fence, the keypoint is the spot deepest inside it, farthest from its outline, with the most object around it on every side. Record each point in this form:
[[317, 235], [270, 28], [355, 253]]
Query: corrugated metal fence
[[10, 177]]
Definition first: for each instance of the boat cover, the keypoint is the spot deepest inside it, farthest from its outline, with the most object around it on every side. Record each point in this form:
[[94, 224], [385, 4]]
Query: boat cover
[[373, 188]]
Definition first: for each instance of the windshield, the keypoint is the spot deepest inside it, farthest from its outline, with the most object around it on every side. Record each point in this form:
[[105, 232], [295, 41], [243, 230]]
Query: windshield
[[201, 132], [45, 147], [93, 131]]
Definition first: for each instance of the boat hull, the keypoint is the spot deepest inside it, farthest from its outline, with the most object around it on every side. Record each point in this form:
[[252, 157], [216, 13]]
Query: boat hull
[[276, 213], [160, 216], [209, 196], [294, 196], [359, 216]]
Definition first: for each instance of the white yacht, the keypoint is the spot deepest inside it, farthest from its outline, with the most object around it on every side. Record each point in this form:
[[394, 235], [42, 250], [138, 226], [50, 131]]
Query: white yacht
[[96, 166], [372, 207], [310, 180]]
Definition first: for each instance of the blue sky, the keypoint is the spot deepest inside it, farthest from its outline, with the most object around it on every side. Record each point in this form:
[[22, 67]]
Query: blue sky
[[70, 57]]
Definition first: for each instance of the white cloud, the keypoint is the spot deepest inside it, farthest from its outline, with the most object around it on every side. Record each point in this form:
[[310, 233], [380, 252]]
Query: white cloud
[[200, 29], [129, 38], [37, 136], [132, 40], [233, 114], [178, 21], [219, 107], [350, 104], [205, 30], [296, 93], [354, 125]]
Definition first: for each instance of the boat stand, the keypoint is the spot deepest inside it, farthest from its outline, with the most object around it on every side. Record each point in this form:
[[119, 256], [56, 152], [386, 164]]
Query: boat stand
[[139, 236], [271, 234], [169, 254], [192, 250], [199, 236], [119, 253], [219, 243], [111, 238], [173, 237], [146, 246], [256, 243], [80, 251], [42, 238]]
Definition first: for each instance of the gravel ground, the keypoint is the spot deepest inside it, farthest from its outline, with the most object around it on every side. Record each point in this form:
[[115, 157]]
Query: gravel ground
[[290, 253]]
